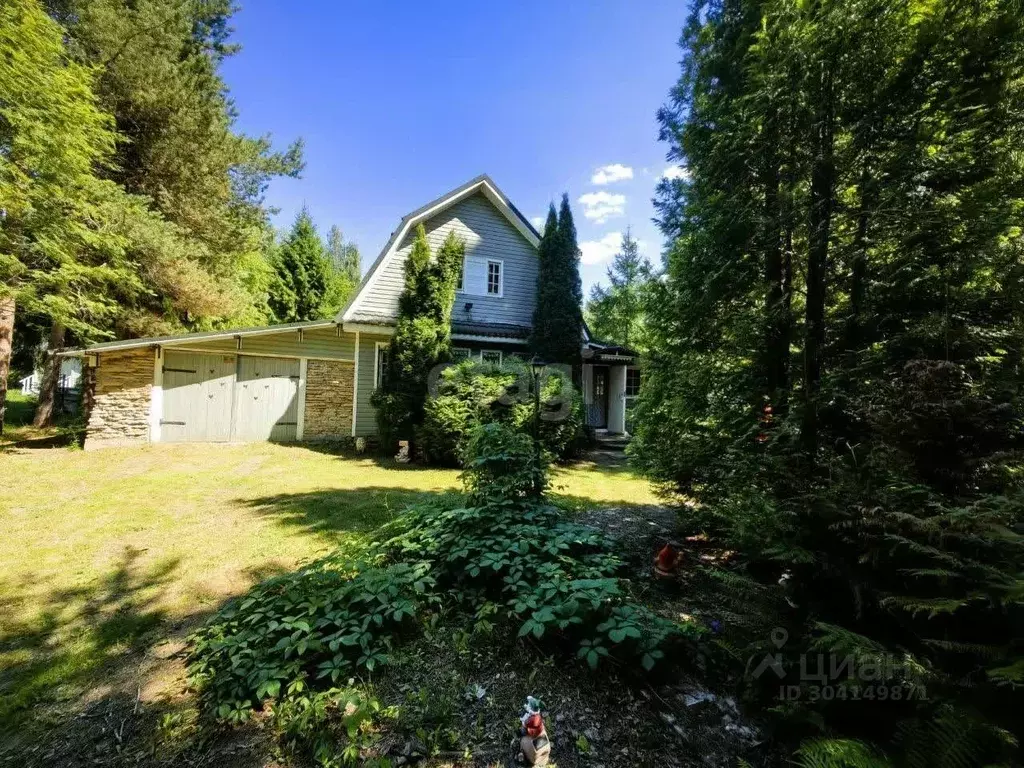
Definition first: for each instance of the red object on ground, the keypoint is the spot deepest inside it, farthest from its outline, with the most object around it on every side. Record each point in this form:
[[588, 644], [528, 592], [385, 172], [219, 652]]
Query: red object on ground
[[534, 726], [666, 561]]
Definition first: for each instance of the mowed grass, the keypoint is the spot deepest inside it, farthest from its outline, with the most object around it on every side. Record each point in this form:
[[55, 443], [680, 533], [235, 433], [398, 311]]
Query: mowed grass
[[109, 558]]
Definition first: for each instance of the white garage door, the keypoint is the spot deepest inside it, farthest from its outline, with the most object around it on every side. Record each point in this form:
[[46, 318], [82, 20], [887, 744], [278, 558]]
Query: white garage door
[[197, 397], [266, 399]]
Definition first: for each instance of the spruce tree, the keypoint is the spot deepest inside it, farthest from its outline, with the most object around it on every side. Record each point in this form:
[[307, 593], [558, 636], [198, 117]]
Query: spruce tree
[[303, 274], [558, 317], [617, 313], [422, 337]]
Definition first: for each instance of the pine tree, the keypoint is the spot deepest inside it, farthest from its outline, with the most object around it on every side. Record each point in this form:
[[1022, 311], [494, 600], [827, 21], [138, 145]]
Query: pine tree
[[422, 337], [617, 313], [157, 72], [558, 317], [303, 274]]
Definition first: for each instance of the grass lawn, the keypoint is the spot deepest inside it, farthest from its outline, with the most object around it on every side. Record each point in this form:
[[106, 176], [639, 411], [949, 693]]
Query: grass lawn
[[109, 558]]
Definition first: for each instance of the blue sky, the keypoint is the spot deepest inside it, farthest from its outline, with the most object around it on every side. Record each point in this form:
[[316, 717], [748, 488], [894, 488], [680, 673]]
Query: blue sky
[[399, 102]]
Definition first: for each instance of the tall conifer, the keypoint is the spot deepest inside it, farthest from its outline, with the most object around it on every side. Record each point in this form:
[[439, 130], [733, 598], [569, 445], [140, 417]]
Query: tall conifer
[[558, 316]]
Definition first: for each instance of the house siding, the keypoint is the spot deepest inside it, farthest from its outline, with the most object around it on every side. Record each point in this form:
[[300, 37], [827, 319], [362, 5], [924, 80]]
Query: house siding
[[366, 414], [488, 236], [315, 342]]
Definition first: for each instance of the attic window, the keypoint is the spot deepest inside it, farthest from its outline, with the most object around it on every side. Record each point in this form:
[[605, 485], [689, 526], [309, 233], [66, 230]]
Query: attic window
[[462, 274], [494, 278]]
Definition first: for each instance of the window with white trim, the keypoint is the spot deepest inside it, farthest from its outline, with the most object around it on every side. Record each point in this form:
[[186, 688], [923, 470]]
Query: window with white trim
[[494, 278], [460, 353], [632, 382], [460, 286], [380, 364], [492, 356]]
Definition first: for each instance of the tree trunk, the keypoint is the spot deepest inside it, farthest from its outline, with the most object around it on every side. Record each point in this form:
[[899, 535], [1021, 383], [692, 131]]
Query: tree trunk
[[7, 307], [859, 267], [51, 378], [821, 193], [776, 353]]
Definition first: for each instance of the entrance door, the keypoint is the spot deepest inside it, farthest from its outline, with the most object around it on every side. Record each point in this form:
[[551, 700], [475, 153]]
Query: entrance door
[[266, 399], [599, 404], [197, 397]]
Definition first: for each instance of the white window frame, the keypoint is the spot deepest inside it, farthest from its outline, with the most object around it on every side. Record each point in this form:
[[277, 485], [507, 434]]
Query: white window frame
[[461, 287], [467, 350], [377, 372], [626, 383], [501, 278], [491, 351]]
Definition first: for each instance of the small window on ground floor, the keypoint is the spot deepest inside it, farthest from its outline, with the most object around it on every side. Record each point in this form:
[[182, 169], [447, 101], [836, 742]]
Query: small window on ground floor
[[632, 382], [459, 354], [380, 365], [491, 356]]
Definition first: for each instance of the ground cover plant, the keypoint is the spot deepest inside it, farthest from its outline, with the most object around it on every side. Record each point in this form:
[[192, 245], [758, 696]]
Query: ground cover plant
[[111, 558], [505, 560]]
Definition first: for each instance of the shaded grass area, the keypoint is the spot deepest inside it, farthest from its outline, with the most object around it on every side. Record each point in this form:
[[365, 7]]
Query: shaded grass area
[[18, 429], [110, 558]]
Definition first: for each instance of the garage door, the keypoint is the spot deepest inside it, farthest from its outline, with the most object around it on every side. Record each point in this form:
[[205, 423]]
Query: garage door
[[197, 397], [266, 399]]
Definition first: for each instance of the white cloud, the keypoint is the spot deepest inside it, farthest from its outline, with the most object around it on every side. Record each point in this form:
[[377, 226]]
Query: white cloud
[[538, 223], [609, 174], [601, 206], [676, 172], [596, 251]]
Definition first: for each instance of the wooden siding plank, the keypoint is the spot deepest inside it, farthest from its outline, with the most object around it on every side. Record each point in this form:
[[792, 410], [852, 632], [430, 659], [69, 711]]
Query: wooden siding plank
[[488, 235], [318, 342]]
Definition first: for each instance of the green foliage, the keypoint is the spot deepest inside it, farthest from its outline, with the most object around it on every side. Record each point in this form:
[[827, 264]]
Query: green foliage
[[156, 65], [618, 313], [422, 337], [306, 286], [346, 269], [838, 753], [852, 198], [473, 393], [558, 318], [508, 560], [54, 242]]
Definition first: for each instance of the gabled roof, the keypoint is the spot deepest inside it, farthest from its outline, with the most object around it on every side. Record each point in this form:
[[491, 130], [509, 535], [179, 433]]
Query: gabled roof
[[482, 183]]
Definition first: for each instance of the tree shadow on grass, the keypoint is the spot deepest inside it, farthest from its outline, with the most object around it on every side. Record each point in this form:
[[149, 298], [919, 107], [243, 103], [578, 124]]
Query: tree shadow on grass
[[93, 675], [344, 450], [74, 632], [338, 515]]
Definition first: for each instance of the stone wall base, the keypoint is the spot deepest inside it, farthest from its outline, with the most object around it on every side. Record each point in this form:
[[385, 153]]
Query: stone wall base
[[121, 392], [328, 414]]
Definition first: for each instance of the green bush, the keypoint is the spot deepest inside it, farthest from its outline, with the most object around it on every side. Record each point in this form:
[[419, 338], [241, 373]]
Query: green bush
[[506, 558], [473, 393]]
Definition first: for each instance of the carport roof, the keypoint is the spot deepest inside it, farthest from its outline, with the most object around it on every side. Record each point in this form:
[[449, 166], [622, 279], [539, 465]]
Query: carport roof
[[111, 346]]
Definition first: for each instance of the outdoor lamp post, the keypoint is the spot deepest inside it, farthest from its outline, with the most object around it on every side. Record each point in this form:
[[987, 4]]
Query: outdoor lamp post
[[537, 367]]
